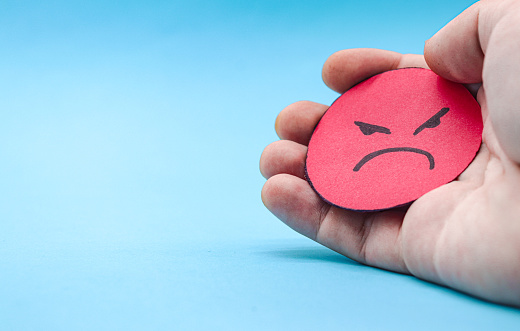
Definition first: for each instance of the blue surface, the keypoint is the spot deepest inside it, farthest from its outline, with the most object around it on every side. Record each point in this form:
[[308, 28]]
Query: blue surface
[[130, 135]]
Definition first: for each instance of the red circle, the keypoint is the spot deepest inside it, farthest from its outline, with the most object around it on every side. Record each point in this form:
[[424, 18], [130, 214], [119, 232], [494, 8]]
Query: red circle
[[392, 138]]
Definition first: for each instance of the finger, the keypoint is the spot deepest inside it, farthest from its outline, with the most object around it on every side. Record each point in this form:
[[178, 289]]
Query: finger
[[283, 157], [345, 68], [371, 238], [297, 121], [455, 51], [295, 203]]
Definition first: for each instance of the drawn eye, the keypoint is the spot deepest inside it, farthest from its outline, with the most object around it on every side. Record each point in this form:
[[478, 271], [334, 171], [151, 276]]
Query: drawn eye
[[368, 129], [433, 122]]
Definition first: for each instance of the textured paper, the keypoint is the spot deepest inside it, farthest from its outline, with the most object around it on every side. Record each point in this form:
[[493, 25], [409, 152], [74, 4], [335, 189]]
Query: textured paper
[[392, 138]]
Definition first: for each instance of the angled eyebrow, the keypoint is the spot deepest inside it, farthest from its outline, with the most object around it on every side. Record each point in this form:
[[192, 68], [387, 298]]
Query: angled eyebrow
[[433, 121], [368, 129]]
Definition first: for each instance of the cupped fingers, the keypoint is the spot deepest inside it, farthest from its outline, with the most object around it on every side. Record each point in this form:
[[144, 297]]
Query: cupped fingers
[[371, 238], [298, 120], [341, 71], [283, 157]]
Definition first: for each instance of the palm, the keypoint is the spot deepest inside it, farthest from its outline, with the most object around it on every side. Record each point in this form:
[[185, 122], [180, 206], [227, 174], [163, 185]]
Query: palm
[[448, 236], [464, 233]]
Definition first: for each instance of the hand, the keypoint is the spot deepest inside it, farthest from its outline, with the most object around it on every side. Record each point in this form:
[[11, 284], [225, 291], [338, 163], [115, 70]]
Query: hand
[[465, 234]]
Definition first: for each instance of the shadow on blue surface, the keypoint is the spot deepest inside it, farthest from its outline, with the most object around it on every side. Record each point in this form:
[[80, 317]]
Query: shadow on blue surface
[[320, 254], [313, 254]]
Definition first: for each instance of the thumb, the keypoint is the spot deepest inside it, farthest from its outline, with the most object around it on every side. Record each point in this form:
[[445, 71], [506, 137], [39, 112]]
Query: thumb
[[455, 52]]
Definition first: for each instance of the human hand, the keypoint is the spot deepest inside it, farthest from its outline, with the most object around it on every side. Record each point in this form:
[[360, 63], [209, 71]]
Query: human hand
[[465, 234]]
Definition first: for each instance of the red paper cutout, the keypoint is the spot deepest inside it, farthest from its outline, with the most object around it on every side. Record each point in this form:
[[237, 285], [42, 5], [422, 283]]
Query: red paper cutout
[[392, 138]]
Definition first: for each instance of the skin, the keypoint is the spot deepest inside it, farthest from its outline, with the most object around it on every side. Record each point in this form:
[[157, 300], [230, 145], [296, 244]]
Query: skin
[[465, 234]]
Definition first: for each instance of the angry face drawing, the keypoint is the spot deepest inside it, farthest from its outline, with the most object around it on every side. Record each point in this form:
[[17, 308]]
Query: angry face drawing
[[392, 138]]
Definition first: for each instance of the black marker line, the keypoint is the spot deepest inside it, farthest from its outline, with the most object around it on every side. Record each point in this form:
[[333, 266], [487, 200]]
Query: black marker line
[[433, 121], [368, 129], [372, 155]]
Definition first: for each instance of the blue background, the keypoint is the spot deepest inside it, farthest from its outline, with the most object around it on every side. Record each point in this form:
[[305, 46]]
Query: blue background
[[130, 134]]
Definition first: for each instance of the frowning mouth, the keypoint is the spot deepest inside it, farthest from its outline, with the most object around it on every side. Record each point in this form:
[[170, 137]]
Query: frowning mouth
[[372, 155]]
